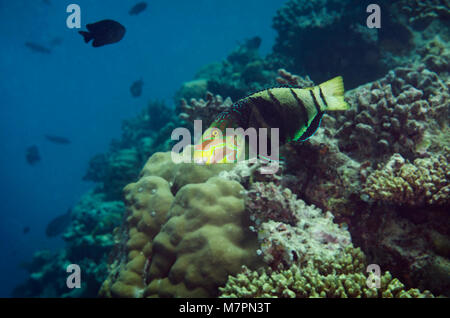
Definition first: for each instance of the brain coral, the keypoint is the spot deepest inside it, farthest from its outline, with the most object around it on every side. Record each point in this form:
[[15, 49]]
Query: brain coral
[[186, 231]]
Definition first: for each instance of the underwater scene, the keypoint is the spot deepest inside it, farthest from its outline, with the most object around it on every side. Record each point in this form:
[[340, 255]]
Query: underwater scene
[[225, 149]]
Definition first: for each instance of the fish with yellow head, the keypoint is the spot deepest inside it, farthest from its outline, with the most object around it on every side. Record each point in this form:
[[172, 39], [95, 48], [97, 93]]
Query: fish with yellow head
[[296, 112]]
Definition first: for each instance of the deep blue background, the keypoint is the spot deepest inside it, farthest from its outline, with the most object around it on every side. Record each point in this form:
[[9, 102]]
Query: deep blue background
[[82, 93]]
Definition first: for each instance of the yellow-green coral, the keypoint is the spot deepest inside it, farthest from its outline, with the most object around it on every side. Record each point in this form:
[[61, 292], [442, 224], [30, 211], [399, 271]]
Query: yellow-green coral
[[186, 231], [340, 280], [424, 182]]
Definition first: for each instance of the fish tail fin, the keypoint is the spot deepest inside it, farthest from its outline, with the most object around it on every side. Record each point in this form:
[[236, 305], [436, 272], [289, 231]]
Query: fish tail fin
[[86, 35], [333, 90]]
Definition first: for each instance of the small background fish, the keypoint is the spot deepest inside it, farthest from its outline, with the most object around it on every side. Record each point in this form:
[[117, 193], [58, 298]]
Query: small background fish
[[136, 88], [38, 48], [138, 8], [57, 139], [32, 155]]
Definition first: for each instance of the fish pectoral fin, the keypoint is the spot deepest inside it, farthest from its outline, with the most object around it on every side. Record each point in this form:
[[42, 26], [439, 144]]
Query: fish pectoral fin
[[333, 90], [299, 134], [307, 132]]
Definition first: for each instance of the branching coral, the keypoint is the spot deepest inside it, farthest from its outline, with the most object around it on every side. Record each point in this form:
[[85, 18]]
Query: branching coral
[[287, 78], [394, 114], [205, 110], [422, 12], [308, 282], [436, 55], [425, 182]]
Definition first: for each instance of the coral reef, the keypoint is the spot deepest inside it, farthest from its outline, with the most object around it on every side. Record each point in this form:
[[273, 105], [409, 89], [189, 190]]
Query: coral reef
[[336, 163], [375, 176], [436, 56], [89, 239], [182, 244], [324, 176], [421, 13], [396, 114], [425, 182], [359, 54]]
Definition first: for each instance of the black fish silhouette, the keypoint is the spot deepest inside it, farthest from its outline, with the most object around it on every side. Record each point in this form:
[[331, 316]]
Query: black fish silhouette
[[26, 229], [59, 224], [32, 155], [57, 139], [138, 8], [37, 48], [103, 32], [136, 88]]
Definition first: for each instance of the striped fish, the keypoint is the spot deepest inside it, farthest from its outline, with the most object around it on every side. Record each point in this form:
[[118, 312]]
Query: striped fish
[[297, 112]]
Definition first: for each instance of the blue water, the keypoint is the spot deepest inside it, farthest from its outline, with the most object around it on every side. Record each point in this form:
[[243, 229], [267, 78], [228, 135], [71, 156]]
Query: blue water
[[82, 93]]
